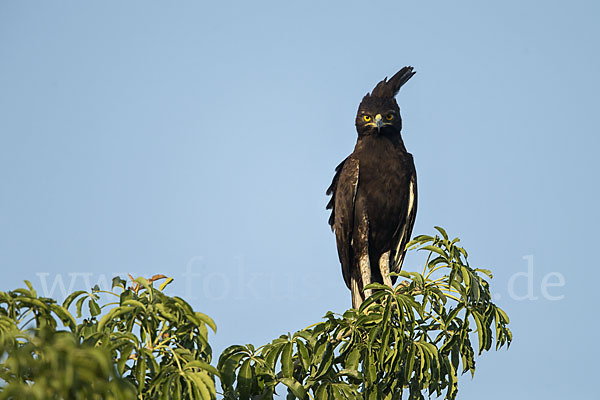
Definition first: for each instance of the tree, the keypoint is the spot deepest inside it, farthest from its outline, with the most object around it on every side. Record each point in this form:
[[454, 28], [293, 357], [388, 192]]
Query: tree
[[412, 340]]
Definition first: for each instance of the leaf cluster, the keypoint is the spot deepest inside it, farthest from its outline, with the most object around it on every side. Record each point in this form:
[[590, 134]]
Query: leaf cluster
[[134, 341], [146, 345], [415, 338]]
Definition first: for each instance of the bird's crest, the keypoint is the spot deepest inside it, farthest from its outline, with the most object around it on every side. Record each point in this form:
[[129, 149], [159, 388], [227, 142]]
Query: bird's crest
[[390, 88]]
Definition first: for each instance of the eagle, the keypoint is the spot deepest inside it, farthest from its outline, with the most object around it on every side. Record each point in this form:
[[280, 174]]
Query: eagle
[[374, 193]]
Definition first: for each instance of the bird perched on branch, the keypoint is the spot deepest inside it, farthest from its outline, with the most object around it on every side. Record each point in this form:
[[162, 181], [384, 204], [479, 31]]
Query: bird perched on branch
[[374, 193]]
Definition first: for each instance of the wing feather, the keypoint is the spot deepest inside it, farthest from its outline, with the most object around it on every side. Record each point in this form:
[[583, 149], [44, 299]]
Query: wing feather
[[343, 191], [408, 223], [331, 191]]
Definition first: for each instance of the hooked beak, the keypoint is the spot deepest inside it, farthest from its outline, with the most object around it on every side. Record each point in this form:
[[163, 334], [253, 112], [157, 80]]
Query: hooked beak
[[378, 122]]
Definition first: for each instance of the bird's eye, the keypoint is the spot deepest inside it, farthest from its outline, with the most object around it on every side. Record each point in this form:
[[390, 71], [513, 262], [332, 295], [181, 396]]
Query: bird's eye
[[367, 118], [389, 117]]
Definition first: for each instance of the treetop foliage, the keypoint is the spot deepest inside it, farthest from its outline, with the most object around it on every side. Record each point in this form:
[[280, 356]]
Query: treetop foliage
[[409, 341]]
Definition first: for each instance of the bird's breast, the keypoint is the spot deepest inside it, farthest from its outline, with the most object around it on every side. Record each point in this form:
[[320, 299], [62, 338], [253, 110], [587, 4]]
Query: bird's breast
[[383, 188], [383, 166]]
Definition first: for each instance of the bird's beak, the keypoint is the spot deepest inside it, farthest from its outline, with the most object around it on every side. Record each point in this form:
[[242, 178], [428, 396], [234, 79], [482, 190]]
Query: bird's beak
[[378, 122]]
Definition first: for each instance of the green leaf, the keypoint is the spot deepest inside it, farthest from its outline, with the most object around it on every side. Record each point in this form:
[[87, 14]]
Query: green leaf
[[371, 371], [353, 359], [326, 361], [245, 380], [207, 320], [124, 353], [295, 387], [202, 365], [486, 272], [321, 392], [94, 308], [421, 359], [337, 394], [64, 315], [352, 373], [303, 355], [377, 286], [403, 274], [201, 385], [199, 388], [410, 361], [480, 331], [475, 291], [144, 282], [113, 314], [435, 250], [165, 313], [118, 282], [210, 383], [466, 276], [442, 231], [23, 292], [227, 368], [504, 316], [79, 304], [271, 352], [133, 303], [140, 372], [287, 366], [33, 293]]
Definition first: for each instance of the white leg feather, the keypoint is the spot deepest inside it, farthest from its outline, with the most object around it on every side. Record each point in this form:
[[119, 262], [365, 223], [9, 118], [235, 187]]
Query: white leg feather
[[365, 273], [357, 296], [384, 268]]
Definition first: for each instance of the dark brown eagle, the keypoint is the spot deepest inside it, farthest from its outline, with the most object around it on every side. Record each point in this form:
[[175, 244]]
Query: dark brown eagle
[[374, 193]]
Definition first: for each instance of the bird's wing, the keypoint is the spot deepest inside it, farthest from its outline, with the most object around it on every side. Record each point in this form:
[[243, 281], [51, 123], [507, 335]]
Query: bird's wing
[[406, 226], [343, 195], [331, 190]]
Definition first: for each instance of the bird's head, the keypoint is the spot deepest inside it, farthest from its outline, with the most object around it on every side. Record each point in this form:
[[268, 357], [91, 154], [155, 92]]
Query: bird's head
[[378, 115], [378, 112]]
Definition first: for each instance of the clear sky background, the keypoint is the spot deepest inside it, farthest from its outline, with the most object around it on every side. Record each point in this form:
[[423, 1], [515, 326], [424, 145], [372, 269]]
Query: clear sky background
[[196, 139]]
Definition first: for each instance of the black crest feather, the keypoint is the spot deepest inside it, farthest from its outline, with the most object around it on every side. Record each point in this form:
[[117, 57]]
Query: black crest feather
[[390, 88]]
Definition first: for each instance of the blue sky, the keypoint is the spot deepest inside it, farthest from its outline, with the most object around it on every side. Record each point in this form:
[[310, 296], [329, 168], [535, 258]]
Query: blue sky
[[197, 140]]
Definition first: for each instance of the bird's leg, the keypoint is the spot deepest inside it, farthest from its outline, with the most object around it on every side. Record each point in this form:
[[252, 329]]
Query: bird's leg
[[364, 264], [357, 296], [365, 272], [384, 268]]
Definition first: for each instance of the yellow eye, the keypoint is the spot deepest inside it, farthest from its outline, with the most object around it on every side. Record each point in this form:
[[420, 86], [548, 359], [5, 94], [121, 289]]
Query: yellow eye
[[367, 118], [389, 117]]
